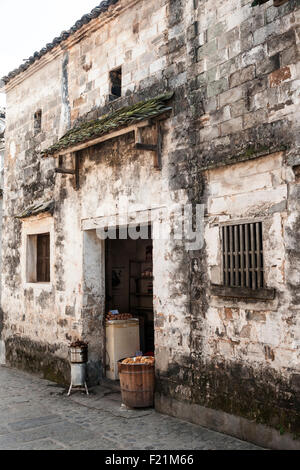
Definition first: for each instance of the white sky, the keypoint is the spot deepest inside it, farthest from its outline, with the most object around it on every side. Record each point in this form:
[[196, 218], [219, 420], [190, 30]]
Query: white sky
[[27, 26]]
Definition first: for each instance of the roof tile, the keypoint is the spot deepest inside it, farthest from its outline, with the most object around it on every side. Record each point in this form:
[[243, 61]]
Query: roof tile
[[102, 8], [37, 209], [115, 120]]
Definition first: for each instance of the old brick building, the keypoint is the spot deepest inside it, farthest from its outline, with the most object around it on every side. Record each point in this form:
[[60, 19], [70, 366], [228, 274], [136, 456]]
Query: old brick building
[[164, 102]]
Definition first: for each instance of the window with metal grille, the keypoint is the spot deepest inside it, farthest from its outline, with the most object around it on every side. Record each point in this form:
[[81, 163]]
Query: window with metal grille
[[43, 258], [243, 263]]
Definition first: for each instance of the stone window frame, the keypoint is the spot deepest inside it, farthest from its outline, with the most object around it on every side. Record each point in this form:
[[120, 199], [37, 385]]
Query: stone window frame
[[39, 245], [31, 227], [262, 293]]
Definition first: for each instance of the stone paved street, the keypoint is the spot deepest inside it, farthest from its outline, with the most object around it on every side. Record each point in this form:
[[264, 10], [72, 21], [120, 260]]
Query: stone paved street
[[37, 414]]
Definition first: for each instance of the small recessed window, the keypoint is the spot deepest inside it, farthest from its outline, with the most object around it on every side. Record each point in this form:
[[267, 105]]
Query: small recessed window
[[243, 261], [38, 258], [115, 77], [37, 122]]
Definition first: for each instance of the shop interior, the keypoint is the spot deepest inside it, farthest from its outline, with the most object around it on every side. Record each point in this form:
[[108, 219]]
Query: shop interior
[[129, 287]]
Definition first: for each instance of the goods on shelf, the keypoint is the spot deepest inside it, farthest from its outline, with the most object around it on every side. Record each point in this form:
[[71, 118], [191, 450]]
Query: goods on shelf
[[147, 273], [119, 316]]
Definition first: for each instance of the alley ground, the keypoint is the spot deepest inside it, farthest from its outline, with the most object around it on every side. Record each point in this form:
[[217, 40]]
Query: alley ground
[[37, 414]]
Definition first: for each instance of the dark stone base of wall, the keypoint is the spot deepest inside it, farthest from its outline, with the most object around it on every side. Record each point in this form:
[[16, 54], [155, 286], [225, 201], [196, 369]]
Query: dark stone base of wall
[[235, 426], [260, 395], [37, 358]]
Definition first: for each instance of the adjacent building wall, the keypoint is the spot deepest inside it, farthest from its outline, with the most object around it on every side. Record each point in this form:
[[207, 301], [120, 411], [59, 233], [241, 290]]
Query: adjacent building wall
[[2, 151], [242, 86]]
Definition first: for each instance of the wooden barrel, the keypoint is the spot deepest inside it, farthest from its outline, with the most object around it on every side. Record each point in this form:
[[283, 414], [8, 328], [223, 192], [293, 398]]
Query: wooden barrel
[[137, 384]]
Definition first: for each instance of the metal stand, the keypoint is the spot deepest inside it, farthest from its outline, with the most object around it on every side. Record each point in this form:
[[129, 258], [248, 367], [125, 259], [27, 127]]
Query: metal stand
[[78, 378], [78, 389]]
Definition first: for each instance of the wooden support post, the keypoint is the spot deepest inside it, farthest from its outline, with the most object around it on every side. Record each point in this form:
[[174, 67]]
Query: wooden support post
[[138, 136], [157, 156], [67, 171], [77, 164], [151, 147]]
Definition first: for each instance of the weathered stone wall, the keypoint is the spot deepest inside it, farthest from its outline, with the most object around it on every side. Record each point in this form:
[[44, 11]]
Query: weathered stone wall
[[258, 341], [248, 72], [48, 317], [242, 86], [234, 70], [2, 152]]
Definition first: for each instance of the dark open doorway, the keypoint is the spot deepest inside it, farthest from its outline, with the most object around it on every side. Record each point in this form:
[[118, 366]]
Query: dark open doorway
[[129, 284]]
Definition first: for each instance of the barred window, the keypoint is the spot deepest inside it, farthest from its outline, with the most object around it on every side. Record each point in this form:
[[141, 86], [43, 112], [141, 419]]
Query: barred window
[[43, 258], [243, 262]]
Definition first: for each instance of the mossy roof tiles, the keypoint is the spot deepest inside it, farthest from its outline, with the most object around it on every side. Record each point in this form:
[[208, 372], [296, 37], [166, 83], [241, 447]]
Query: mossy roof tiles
[[37, 209], [111, 122]]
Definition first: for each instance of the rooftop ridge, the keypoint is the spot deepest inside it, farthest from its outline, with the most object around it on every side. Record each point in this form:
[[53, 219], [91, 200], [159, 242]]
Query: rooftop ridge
[[85, 19]]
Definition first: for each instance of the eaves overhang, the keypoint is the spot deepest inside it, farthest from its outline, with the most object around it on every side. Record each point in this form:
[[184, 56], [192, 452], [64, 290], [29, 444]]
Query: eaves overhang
[[111, 125], [36, 209]]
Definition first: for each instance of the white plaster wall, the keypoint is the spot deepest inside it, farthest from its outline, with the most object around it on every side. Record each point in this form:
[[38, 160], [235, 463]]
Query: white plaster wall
[[238, 330], [140, 186], [133, 39]]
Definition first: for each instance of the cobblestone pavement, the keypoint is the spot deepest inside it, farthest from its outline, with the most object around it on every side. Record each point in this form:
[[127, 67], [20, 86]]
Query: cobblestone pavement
[[37, 414]]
